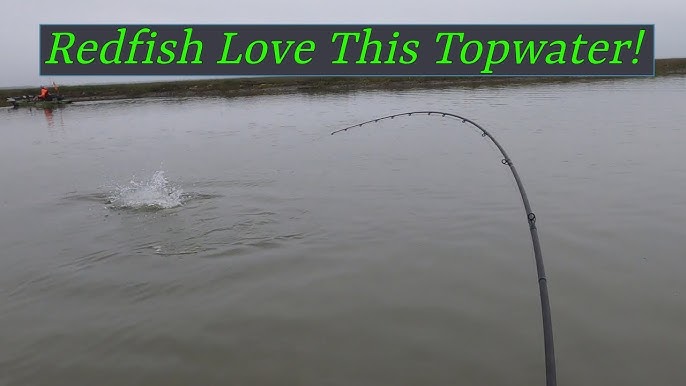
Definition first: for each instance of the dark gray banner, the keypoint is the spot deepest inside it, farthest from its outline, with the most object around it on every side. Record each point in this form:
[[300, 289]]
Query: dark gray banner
[[348, 50]]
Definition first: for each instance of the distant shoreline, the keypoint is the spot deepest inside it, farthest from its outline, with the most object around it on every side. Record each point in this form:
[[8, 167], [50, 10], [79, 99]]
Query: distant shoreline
[[234, 87]]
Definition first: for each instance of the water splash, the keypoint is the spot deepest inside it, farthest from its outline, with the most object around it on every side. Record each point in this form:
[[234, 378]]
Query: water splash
[[156, 193]]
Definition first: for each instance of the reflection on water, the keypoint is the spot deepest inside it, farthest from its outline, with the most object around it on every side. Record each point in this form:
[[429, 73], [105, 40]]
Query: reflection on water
[[49, 117], [48, 114], [235, 241]]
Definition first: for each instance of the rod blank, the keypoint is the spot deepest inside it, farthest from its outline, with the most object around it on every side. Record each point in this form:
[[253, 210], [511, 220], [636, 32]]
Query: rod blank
[[531, 220]]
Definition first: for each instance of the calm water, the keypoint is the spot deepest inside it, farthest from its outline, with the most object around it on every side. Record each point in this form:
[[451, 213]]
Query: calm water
[[236, 242]]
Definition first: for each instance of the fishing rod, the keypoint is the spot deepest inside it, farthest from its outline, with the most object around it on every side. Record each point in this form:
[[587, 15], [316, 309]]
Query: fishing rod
[[531, 219]]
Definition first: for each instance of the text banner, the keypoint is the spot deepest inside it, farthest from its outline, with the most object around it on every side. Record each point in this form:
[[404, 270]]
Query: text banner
[[348, 50]]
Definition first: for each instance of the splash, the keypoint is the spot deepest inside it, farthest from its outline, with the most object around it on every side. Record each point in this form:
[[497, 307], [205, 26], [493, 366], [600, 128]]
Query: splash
[[156, 193]]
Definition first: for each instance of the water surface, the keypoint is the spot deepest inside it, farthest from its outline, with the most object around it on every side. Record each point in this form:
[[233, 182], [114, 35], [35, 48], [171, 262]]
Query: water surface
[[235, 241]]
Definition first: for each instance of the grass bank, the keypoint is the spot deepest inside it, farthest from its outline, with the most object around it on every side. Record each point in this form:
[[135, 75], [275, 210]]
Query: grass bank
[[276, 85]]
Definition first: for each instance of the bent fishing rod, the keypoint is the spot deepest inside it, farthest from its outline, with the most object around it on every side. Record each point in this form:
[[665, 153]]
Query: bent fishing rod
[[531, 219]]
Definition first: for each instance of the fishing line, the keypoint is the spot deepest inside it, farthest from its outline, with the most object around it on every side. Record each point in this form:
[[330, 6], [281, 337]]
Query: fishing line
[[531, 220]]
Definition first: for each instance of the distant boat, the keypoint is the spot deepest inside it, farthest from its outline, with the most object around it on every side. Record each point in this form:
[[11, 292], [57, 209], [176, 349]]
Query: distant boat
[[32, 101]]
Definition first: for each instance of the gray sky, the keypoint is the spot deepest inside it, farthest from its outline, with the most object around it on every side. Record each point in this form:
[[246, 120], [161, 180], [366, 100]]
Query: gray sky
[[19, 20]]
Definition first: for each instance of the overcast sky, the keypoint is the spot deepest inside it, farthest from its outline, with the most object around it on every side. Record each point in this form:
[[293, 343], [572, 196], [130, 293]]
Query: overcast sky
[[20, 20]]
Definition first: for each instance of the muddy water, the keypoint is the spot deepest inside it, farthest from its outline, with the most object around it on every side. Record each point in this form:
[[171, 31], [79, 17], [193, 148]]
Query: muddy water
[[235, 241]]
